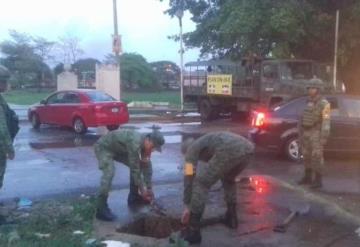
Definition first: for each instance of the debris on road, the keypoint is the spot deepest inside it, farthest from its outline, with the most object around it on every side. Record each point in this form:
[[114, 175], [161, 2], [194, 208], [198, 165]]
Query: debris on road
[[78, 232], [42, 235], [112, 243], [24, 203]]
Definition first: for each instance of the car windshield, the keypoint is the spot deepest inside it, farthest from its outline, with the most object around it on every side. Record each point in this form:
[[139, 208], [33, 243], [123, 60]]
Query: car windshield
[[297, 71], [98, 96]]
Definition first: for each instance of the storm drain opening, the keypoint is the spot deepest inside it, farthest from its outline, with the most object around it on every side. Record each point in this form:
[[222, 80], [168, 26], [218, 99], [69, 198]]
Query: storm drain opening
[[152, 226], [161, 226]]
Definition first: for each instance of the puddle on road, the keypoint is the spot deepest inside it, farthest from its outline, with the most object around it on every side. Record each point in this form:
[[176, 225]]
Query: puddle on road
[[68, 142], [37, 162]]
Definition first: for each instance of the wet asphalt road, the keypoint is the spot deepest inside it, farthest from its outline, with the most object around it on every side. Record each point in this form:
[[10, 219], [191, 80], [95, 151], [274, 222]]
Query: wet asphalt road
[[55, 162]]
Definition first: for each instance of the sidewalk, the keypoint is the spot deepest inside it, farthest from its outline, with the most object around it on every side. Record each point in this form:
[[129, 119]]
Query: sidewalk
[[261, 206]]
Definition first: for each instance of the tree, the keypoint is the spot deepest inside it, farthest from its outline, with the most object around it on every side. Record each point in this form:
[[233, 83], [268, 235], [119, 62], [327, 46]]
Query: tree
[[167, 73], [69, 49], [135, 72], [22, 60], [277, 28]]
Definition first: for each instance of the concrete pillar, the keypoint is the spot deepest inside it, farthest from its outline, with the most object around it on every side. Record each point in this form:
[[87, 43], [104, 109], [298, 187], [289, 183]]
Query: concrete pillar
[[67, 81], [108, 79]]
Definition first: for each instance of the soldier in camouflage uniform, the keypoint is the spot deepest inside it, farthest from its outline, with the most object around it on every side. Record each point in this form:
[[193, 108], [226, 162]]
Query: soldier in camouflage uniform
[[314, 130], [6, 145], [227, 155], [134, 150]]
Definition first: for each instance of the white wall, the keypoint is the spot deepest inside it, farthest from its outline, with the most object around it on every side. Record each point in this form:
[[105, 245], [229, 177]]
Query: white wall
[[108, 80]]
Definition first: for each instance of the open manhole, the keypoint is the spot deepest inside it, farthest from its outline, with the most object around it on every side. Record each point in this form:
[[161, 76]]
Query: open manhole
[[160, 226], [152, 226]]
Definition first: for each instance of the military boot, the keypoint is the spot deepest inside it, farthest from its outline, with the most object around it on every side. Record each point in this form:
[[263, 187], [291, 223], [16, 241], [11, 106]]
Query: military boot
[[192, 232], [317, 184], [230, 219], [103, 211], [307, 178]]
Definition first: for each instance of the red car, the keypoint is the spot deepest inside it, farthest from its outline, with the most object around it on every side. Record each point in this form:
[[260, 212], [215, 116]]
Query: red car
[[79, 109]]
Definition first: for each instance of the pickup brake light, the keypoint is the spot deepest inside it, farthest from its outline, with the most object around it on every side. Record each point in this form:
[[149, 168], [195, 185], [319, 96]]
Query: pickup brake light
[[258, 120]]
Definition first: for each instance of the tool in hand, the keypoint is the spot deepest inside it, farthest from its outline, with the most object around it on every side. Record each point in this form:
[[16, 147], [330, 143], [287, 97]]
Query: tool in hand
[[155, 207], [295, 211]]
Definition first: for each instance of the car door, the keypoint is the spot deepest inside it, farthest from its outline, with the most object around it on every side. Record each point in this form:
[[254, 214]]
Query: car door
[[347, 127], [338, 124], [52, 109], [69, 107]]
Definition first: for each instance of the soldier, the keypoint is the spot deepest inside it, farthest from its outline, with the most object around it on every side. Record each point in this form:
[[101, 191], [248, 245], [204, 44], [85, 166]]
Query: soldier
[[227, 155], [6, 145], [314, 130], [134, 150]]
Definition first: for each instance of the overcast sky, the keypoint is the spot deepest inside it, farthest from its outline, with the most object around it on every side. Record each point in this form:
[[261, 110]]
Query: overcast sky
[[142, 24]]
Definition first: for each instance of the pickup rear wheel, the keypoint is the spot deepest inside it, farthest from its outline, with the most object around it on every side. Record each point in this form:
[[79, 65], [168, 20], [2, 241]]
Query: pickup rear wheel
[[207, 111], [292, 149], [79, 126]]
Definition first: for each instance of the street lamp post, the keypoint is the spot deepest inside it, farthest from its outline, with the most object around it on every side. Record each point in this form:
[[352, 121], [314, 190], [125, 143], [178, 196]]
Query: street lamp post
[[336, 48], [116, 42], [180, 15]]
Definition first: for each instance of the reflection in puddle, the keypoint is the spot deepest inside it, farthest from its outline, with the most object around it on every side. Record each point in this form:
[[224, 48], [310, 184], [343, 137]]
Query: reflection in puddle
[[78, 141]]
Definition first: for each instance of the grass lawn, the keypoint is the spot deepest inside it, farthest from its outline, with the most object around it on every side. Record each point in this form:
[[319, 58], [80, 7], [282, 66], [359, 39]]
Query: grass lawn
[[50, 223], [173, 97], [24, 97]]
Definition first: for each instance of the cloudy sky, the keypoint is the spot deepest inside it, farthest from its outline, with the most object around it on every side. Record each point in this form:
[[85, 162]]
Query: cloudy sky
[[142, 24]]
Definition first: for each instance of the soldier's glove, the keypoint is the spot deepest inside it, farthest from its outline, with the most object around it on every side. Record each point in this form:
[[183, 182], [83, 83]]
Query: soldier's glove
[[146, 196], [185, 218]]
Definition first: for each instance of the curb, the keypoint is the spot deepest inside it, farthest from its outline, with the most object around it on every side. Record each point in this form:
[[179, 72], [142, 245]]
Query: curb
[[339, 210]]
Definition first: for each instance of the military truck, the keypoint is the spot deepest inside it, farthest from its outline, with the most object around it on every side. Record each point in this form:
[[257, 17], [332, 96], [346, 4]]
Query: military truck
[[222, 86]]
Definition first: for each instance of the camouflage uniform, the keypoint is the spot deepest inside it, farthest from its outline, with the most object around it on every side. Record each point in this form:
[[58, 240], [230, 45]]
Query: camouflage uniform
[[227, 155], [314, 130], [124, 146], [6, 146]]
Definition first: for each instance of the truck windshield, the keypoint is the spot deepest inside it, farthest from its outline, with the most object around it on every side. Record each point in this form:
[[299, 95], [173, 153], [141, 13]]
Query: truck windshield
[[297, 71]]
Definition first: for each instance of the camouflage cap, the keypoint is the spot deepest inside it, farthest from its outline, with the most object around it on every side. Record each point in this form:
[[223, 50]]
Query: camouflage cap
[[157, 139], [4, 74], [315, 83]]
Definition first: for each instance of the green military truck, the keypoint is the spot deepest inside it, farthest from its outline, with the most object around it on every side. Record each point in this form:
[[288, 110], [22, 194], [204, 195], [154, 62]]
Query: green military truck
[[220, 86]]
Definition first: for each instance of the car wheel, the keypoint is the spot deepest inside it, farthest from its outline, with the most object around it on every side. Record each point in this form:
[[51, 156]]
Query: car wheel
[[79, 126], [112, 127], [292, 149], [35, 121]]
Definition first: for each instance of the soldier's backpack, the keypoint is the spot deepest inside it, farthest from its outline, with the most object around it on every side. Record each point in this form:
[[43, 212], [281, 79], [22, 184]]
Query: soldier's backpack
[[12, 122]]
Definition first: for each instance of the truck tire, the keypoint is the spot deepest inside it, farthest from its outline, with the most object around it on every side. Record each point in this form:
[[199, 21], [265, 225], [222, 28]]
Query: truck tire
[[207, 111]]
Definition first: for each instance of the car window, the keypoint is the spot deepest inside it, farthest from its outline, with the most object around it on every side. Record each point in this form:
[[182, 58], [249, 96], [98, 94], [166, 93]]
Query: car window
[[56, 98], [71, 98], [295, 107], [334, 106], [352, 107], [98, 96]]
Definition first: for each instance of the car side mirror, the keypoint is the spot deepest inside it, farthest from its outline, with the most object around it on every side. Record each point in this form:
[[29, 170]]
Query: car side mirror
[[43, 102]]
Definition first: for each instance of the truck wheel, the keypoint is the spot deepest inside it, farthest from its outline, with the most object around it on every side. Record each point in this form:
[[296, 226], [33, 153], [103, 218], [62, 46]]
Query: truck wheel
[[207, 112]]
